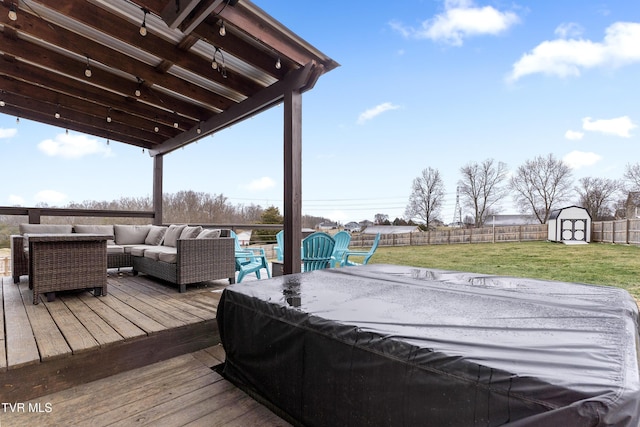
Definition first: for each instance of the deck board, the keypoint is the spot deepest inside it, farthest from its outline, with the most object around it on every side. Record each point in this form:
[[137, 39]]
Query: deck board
[[143, 305], [95, 325], [50, 340], [176, 392], [123, 326], [77, 336], [20, 343]]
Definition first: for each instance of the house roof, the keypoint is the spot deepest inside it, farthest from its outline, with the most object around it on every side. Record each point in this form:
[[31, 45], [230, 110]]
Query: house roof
[[390, 229], [158, 91]]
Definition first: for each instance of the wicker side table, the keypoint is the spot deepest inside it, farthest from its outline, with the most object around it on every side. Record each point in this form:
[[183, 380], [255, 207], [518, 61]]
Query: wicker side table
[[59, 262]]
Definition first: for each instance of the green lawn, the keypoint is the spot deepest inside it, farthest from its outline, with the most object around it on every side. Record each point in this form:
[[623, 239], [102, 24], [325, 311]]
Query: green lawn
[[595, 263]]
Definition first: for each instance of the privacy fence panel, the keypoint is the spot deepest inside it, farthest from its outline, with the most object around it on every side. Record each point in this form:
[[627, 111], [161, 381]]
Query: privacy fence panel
[[623, 231]]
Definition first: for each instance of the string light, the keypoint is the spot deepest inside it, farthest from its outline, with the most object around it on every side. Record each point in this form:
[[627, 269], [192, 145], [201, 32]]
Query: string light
[[278, 64], [175, 123], [219, 66], [109, 115], [2, 103], [156, 128], [57, 113], [223, 29], [143, 27], [87, 71], [13, 15], [199, 130], [138, 91]]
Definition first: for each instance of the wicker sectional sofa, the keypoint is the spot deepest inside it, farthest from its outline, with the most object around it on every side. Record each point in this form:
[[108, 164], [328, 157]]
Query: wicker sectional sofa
[[179, 254]]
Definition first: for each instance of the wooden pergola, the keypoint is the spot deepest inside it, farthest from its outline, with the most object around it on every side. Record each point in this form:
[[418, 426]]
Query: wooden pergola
[[159, 74]]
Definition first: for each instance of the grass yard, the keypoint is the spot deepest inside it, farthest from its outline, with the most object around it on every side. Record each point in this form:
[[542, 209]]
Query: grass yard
[[595, 263]]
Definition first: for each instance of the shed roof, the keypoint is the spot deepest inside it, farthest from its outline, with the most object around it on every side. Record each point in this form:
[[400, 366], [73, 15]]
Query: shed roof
[[157, 91]]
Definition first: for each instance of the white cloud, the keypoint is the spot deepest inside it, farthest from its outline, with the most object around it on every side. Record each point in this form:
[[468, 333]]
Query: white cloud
[[461, 19], [73, 146], [573, 135], [376, 111], [578, 159], [50, 197], [8, 133], [260, 184], [568, 57], [570, 29], [620, 126], [16, 200]]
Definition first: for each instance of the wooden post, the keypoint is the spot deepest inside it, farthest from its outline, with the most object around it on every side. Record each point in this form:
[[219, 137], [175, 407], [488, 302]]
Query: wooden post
[[34, 216], [292, 180], [157, 189]]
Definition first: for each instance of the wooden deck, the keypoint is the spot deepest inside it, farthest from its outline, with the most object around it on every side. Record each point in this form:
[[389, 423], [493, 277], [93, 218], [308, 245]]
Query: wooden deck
[[79, 338], [181, 391]]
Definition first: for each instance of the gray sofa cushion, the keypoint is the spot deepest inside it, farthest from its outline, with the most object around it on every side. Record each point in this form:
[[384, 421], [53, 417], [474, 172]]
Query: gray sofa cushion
[[173, 234], [156, 252], [209, 234], [43, 229], [95, 229], [114, 249], [155, 236], [131, 234], [190, 232]]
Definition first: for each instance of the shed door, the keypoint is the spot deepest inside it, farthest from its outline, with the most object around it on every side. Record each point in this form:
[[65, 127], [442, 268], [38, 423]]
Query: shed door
[[574, 229]]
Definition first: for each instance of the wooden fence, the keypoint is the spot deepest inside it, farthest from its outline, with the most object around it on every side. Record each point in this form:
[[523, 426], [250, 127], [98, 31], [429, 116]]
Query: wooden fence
[[515, 233], [623, 231]]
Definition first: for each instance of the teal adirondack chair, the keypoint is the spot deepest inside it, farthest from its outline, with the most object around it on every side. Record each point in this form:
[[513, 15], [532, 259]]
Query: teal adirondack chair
[[249, 260], [317, 249], [280, 246], [367, 255], [342, 239]]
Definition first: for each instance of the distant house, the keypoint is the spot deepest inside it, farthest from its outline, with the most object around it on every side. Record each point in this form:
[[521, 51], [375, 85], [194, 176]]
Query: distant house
[[391, 229], [632, 207], [352, 227], [327, 225], [244, 237], [506, 220]]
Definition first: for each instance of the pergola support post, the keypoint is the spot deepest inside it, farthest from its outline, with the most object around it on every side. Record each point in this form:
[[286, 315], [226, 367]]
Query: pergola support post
[[157, 189], [292, 180]]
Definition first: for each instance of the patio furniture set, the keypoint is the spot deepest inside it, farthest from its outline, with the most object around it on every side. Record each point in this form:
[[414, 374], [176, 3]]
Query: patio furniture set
[[62, 257]]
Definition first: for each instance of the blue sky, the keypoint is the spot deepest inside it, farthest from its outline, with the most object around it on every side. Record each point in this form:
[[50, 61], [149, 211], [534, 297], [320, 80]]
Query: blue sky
[[422, 83]]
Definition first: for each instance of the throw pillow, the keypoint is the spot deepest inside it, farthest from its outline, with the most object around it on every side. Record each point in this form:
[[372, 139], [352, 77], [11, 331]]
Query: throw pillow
[[209, 234], [156, 233], [190, 232], [172, 235]]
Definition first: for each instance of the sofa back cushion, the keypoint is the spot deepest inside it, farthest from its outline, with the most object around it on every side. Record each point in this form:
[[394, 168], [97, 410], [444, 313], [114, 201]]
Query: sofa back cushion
[[209, 234], [155, 236], [45, 228], [131, 234], [173, 234], [95, 229], [190, 232]]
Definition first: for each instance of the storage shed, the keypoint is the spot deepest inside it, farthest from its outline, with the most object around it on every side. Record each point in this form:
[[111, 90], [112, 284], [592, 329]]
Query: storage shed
[[569, 225]]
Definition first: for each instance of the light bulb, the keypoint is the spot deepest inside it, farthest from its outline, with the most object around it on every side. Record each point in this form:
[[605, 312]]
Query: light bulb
[[278, 64], [108, 119], [56, 115], [138, 93], [13, 15], [2, 104], [214, 65], [156, 129], [175, 125], [223, 30], [87, 72], [143, 29]]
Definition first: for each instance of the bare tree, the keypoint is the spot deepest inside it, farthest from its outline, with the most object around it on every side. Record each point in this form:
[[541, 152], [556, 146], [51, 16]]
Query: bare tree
[[540, 184], [381, 219], [631, 177], [482, 187], [426, 199], [597, 196]]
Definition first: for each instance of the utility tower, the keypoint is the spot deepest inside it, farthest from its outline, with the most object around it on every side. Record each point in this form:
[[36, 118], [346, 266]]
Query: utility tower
[[457, 212]]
